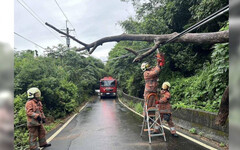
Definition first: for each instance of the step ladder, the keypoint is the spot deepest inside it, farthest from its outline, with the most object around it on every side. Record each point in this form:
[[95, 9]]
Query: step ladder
[[150, 120]]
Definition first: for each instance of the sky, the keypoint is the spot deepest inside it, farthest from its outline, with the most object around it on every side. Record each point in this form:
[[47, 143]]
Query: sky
[[6, 24], [92, 20]]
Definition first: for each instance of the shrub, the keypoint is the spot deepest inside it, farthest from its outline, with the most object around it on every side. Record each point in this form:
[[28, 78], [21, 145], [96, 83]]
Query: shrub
[[193, 130]]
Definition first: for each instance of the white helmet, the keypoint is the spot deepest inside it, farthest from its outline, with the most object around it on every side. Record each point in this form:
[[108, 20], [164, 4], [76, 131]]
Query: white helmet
[[145, 66], [166, 85], [34, 92]]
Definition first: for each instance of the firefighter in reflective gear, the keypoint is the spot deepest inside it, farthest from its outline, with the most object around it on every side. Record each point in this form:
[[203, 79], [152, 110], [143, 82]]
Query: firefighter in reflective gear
[[35, 119], [151, 82], [151, 79], [165, 107]]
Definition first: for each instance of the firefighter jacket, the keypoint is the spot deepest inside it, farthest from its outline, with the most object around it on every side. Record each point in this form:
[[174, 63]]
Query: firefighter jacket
[[164, 102], [151, 77], [34, 109]]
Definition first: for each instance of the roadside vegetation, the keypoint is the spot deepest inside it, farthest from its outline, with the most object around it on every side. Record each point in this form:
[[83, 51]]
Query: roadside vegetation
[[66, 80], [198, 73]]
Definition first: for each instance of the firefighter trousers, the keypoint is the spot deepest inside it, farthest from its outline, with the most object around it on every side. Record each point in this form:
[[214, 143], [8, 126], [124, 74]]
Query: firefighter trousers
[[168, 118], [34, 133]]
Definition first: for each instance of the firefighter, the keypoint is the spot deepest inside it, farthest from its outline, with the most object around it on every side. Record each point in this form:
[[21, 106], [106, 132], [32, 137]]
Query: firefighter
[[165, 107], [35, 119], [151, 78], [151, 83]]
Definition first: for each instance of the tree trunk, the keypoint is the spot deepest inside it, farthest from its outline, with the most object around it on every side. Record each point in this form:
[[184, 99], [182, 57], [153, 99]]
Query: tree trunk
[[224, 108]]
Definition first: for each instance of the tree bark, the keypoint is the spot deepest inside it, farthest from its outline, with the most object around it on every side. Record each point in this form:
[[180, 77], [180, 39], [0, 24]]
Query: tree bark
[[198, 38], [224, 108]]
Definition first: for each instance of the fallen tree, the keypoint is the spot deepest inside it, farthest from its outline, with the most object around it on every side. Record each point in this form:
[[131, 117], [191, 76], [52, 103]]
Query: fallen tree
[[197, 38]]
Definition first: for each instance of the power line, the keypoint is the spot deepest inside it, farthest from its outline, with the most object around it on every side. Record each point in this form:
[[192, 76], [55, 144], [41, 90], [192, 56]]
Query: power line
[[200, 23], [30, 41], [65, 16], [36, 17]]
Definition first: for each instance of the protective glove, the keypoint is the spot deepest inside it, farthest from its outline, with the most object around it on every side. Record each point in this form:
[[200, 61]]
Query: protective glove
[[44, 120], [39, 119], [160, 59]]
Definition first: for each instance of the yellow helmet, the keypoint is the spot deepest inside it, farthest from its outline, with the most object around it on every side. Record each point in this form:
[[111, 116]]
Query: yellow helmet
[[166, 85], [34, 92], [145, 66]]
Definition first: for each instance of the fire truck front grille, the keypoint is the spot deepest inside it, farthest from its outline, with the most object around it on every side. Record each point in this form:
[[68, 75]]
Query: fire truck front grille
[[109, 90]]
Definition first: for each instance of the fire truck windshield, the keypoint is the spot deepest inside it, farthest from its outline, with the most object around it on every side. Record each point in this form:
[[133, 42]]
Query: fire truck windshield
[[107, 83]]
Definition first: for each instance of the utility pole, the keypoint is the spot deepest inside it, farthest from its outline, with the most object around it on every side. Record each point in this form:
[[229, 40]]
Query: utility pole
[[36, 52], [67, 37]]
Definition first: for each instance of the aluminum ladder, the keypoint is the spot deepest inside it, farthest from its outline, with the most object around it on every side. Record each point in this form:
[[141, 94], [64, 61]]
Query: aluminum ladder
[[150, 120]]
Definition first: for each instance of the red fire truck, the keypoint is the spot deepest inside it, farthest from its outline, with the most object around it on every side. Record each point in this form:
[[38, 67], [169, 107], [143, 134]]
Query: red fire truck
[[108, 87]]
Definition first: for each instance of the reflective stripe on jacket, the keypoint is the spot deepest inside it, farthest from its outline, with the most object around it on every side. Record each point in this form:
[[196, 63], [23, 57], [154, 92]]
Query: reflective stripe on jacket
[[164, 102], [34, 109]]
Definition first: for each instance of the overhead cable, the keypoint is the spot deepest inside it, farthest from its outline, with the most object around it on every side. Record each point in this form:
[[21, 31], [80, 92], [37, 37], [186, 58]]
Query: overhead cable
[[200, 23], [37, 18], [65, 16], [30, 41]]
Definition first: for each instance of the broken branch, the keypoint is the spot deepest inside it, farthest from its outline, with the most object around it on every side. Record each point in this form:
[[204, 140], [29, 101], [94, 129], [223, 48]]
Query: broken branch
[[140, 57], [132, 51], [61, 32]]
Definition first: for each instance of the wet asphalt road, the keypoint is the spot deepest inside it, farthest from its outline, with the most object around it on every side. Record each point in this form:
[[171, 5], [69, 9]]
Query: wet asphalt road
[[107, 125]]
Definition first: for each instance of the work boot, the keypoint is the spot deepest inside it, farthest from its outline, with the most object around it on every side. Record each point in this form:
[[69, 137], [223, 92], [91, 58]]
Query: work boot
[[156, 130], [46, 145], [175, 135]]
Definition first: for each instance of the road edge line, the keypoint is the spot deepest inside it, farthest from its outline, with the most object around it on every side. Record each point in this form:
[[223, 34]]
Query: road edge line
[[65, 124], [179, 133]]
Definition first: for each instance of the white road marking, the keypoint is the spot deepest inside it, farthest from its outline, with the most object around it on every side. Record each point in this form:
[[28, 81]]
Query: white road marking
[[69, 120], [181, 134]]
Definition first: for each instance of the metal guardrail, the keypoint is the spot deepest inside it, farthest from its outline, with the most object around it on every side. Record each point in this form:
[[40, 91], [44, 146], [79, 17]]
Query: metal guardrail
[[132, 98]]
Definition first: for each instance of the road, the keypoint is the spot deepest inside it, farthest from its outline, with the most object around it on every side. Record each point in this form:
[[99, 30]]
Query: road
[[107, 125]]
